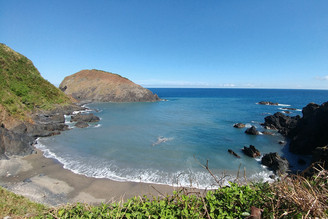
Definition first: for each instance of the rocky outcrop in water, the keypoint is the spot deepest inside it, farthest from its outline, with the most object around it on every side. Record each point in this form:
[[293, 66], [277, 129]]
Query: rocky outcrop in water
[[101, 86], [252, 131], [85, 118], [281, 122], [239, 125], [251, 151], [276, 163]]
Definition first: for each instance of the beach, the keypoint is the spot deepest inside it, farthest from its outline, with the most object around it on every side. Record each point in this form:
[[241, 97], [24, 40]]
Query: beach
[[44, 180]]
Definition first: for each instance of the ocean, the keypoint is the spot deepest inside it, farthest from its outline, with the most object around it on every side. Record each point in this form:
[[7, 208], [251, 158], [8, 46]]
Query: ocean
[[168, 142]]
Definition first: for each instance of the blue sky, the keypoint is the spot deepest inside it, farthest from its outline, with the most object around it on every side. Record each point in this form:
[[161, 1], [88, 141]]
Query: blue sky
[[175, 43]]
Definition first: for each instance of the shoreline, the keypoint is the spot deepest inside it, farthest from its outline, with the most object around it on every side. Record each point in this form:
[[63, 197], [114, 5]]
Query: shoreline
[[44, 180]]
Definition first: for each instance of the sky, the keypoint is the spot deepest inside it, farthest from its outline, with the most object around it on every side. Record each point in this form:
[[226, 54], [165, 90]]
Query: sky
[[175, 43]]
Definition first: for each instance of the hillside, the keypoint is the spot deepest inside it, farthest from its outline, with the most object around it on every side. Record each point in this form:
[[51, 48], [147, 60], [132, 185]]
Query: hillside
[[22, 88], [96, 85]]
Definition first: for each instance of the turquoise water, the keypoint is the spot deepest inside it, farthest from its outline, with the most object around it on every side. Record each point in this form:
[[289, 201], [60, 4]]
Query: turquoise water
[[165, 142]]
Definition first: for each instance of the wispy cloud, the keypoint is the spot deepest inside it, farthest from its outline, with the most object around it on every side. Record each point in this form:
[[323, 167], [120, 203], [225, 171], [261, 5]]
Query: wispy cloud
[[322, 78]]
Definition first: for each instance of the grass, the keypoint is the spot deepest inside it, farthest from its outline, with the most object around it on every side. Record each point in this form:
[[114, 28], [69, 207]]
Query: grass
[[22, 88], [18, 206], [291, 197]]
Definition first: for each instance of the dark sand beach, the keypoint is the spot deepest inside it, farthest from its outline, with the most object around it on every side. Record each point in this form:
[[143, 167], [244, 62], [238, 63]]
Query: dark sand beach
[[45, 181]]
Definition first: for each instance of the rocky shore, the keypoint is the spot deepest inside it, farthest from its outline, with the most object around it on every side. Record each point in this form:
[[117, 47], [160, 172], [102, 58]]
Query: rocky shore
[[20, 139]]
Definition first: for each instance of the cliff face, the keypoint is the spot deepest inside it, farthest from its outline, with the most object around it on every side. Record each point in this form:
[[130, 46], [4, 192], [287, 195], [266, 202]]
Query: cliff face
[[95, 85]]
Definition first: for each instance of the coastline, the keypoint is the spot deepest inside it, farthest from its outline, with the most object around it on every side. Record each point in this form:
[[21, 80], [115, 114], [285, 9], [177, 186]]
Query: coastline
[[44, 180]]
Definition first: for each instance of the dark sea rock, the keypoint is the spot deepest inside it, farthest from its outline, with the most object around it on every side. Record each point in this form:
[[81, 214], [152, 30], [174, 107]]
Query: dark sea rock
[[251, 151], [312, 129], [233, 153], [279, 121], [267, 103], [85, 118], [252, 131], [239, 125], [276, 163], [81, 125]]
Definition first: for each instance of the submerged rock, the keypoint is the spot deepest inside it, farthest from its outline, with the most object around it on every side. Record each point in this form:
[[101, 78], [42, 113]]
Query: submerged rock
[[233, 153]]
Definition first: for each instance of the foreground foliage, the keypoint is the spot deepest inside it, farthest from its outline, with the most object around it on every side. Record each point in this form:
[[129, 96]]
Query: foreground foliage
[[22, 88], [16, 205], [291, 197]]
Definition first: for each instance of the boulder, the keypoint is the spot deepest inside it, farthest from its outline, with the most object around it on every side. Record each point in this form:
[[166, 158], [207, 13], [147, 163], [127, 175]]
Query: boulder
[[239, 125], [251, 151], [276, 163], [252, 131], [12, 143], [81, 125], [85, 118]]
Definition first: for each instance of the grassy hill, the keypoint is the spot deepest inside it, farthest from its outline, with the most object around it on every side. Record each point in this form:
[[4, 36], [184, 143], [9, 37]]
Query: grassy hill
[[22, 88]]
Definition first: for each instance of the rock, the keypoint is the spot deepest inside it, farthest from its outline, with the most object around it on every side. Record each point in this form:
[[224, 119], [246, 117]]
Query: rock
[[267, 133], [282, 142], [267, 103], [286, 112], [12, 143], [284, 124], [239, 125], [312, 129], [85, 118], [101, 86], [81, 125], [233, 153], [252, 131], [276, 163], [251, 151]]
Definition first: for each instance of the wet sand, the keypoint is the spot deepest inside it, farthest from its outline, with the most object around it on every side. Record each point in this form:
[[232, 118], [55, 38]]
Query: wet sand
[[45, 181]]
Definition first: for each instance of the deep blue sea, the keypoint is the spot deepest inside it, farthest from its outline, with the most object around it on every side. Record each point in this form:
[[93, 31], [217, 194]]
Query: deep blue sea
[[165, 142]]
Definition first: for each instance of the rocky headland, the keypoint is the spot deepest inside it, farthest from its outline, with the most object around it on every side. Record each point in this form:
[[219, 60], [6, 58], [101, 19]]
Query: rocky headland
[[30, 106], [101, 86]]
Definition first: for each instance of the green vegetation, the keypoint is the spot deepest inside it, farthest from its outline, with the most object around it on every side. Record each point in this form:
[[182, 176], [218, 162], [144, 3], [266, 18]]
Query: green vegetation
[[292, 197], [22, 88], [18, 206]]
